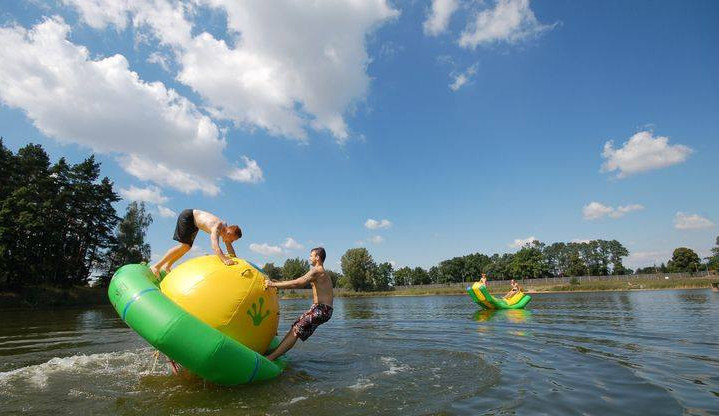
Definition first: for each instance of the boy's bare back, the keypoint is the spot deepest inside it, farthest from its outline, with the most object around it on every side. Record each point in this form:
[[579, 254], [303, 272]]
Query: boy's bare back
[[206, 221], [321, 286]]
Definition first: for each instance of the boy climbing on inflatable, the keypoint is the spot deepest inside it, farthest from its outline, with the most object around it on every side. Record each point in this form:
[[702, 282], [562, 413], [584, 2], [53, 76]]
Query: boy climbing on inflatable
[[321, 309], [189, 222]]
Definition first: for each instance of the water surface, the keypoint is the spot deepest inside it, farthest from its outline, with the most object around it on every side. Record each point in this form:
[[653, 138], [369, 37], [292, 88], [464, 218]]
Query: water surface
[[653, 352]]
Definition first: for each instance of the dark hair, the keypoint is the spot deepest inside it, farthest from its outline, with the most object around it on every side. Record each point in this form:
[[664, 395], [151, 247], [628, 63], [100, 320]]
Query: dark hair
[[320, 252], [235, 230]]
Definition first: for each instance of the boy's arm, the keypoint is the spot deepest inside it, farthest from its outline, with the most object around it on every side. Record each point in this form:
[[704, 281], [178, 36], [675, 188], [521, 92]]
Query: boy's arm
[[310, 276], [230, 250], [215, 241]]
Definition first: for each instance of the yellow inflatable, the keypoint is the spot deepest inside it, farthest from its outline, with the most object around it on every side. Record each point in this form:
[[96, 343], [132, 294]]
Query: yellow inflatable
[[231, 299]]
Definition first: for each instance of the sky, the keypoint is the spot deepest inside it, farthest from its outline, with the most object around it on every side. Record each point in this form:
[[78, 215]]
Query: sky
[[421, 130]]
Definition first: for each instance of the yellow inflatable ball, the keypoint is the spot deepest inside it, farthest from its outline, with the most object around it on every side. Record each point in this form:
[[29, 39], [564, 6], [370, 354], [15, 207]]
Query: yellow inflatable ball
[[231, 299]]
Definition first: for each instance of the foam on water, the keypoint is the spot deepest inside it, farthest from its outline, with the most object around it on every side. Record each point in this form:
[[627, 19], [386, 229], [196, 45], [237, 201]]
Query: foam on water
[[135, 363], [393, 366], [361, 384]]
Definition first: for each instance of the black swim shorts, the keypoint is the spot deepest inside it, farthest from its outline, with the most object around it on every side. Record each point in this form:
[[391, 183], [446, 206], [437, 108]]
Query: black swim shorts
[[186, 230]]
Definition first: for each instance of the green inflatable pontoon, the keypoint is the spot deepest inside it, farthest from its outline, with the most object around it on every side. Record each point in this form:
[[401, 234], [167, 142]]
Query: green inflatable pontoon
[[200, 348]]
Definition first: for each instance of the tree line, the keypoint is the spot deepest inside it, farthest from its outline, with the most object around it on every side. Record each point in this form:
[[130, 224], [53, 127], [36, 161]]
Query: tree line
[[58, 225], [535, 260]]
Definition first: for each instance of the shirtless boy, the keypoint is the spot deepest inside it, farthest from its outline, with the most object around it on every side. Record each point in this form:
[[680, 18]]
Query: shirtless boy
[[321, 310], [514, 290], [189, 223]]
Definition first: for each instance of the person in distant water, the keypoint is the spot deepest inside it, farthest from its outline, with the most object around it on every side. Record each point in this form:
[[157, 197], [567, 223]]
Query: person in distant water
[[189, 222], [483, 280], [514, 290], [321, 309]]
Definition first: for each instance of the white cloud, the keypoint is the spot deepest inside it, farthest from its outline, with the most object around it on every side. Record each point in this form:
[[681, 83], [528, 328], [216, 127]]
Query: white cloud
[[521, 242], [377, 224], [158, 135], [438, 17], [286, 72], [150, 194], [251, 173], [166, 212], [641, 153], [684, 221], [291, 244], [509, 21], [376, 239], [595, 210], [266, 249], [580, 240], [462, 78], [360, 243], [159, 59]]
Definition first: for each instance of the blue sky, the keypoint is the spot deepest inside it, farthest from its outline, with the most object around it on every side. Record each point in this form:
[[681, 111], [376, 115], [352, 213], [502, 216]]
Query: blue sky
[[466, 125]]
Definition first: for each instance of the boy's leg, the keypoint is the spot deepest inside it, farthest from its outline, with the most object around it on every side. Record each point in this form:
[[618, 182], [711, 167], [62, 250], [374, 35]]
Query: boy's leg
[[287, 343], [185, 248], [171, 253]]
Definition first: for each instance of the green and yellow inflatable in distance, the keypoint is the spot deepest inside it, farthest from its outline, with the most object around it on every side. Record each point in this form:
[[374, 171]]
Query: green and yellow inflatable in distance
[[481, 296], [217, 321]]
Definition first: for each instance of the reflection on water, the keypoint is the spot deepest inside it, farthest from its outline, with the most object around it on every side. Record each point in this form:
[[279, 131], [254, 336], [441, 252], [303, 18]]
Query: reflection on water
[[516, 316], [576, 353]]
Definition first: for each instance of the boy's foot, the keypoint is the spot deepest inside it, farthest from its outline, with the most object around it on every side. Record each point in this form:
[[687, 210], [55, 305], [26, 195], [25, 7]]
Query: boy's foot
[[174, 367], [155, 271]]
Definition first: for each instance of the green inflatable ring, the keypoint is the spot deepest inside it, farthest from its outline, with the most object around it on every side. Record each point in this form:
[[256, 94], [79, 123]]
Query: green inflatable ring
[[203, 350]]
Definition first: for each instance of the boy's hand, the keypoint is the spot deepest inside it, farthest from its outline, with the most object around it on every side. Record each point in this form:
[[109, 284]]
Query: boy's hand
[[268, 283], [228, 261]]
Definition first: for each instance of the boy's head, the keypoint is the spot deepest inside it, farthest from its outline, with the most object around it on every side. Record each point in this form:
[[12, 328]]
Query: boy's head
[[231, 234], [317, 256]]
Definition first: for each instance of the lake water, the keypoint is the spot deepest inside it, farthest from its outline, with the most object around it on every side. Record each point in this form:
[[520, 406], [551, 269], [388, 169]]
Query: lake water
[[580, 353]]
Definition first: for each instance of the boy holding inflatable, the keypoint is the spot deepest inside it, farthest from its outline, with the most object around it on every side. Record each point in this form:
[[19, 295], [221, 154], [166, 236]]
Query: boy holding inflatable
[[321, 309]]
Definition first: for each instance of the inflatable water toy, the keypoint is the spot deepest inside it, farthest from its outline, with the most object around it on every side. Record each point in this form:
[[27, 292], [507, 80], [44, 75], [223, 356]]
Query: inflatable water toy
[[481, 296], [214, 320]]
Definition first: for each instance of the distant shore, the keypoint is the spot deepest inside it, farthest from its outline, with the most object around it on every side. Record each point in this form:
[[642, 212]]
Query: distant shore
[[598, 286], [53, 297]]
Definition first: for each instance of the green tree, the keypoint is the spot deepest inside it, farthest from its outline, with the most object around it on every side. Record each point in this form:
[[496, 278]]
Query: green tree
[[359, 268], [403, 276], [56, 222], [556, 258], [334, 276], [294, 268], [129, 244], [528, 262], [616, 252], [474, 265], [433, 274], [420, 276], [383, 276], [272, 271], [452, 270], [714, 258], [684, 260]]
